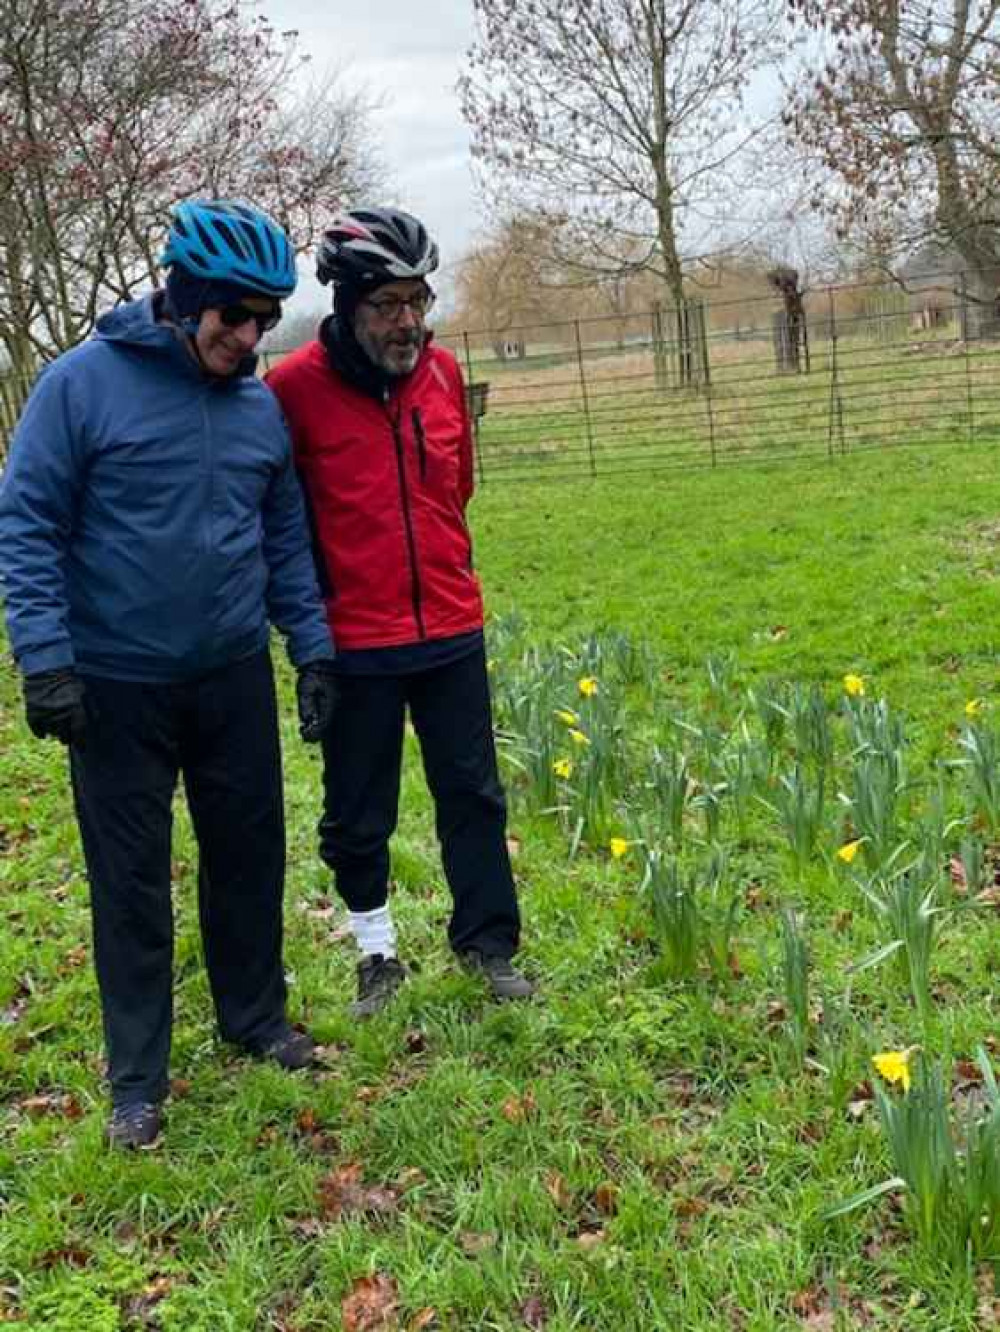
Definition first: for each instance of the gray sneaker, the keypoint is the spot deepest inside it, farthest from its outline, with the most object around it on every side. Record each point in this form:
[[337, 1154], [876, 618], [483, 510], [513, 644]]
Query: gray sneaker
[[378, 980], [503, 978], [135, 1127]]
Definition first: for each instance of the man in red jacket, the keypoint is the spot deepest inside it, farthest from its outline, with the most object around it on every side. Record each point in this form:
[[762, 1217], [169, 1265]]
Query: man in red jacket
[[383, 444]]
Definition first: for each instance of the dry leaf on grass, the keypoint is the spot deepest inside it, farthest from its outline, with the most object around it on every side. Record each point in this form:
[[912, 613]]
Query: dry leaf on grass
[[558, 1190], [533, 1312], [606, 1198], [342, 1193], [63, 1104], [516, 1109], [372, 1305]]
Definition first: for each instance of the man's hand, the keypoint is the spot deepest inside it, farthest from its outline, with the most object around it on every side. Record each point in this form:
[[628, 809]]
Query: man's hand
[[317, 696], [53, 705]]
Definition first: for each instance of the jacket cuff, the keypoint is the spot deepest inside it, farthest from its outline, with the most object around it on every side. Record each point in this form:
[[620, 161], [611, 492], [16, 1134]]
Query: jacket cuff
[[57, 657], [302, 650]]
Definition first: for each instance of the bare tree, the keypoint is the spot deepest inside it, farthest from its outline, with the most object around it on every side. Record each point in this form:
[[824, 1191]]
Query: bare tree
[[110, 110], [901, 107], [507, 279], [620, 119]]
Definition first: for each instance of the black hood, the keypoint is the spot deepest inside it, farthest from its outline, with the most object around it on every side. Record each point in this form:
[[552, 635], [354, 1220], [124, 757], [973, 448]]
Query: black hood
[[345, 355]]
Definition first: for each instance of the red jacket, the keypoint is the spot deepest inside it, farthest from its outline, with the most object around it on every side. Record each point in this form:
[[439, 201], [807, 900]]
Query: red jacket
[[387, 485]]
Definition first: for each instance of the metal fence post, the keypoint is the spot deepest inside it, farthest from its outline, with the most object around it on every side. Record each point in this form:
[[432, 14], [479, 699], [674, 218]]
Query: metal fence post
[[968, 359], [707, 380], [586, 400], [836, 402], [475, 417], [659, 350]]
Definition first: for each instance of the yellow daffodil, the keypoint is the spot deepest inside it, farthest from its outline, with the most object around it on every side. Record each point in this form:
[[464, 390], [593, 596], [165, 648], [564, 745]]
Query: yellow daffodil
[[854, 685], [894, 1066], [567, 717], [849, 850], [618, 847], [563, 767], [577, 736], [974, 707], [587, 686]]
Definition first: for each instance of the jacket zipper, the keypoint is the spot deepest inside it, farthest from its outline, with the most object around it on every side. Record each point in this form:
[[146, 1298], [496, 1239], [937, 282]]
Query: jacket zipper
[[418, 433], [415, 592]]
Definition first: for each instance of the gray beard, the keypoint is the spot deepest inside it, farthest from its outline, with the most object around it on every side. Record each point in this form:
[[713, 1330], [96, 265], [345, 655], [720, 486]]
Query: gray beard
[[380, 359]]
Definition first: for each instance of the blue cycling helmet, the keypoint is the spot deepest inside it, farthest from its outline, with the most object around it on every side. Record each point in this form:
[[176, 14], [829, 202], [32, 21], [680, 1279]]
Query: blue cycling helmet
[[231, 242]]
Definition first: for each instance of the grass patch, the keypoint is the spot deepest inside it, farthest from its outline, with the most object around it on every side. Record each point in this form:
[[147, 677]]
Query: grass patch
[[633, 1151]]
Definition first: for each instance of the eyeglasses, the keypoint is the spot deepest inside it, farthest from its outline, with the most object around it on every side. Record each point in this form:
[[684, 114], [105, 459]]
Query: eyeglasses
[[391, 307], [234, 316]]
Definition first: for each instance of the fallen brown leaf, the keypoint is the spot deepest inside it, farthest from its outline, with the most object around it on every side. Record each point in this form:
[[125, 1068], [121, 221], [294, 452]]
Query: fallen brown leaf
[[556, 1188], [533, 1312], [306, 1121], [516, 1109], [606, 1198], [63, 1104], [342, 1193], [69, 1255], [425, 1317], [372, 1305]]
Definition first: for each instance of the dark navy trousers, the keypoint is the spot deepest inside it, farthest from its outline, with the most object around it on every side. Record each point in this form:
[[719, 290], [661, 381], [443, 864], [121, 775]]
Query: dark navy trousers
[[220, 734], [450, 709]]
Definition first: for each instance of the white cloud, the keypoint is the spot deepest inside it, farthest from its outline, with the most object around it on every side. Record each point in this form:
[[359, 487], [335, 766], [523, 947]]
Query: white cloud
[[408, 55]]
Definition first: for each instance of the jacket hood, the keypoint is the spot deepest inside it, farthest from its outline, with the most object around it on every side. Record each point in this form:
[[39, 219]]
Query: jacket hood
[[139, 324]]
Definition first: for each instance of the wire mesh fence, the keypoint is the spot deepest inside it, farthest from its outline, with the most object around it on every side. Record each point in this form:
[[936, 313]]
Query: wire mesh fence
[[858, 368], [715, 383]]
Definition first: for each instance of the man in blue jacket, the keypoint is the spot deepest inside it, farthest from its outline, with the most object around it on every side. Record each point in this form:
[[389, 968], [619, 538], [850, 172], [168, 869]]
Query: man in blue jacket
[[151, 527]]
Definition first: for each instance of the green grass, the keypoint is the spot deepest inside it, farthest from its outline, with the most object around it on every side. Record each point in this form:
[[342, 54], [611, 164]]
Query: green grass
[[629, 1152]]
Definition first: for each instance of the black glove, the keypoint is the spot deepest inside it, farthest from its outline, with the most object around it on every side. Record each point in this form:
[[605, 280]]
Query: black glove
[[317, 695], [53, 705]]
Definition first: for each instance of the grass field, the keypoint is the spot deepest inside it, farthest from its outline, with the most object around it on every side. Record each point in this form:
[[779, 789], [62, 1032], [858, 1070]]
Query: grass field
[[653, 1143]]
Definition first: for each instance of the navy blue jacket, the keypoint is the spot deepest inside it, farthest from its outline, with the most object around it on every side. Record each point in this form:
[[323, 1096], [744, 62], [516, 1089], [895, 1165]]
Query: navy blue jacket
[[151, 523]]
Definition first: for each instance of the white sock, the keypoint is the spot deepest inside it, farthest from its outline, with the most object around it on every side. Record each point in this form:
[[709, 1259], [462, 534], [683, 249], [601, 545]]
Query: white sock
[[374, 931]]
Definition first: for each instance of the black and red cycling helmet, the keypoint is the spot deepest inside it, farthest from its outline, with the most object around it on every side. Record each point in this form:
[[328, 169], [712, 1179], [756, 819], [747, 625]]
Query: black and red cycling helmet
[[368, 246]]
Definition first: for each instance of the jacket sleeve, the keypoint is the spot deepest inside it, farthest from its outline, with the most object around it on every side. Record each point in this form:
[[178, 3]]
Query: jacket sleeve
[[39, 497], [294, 604]]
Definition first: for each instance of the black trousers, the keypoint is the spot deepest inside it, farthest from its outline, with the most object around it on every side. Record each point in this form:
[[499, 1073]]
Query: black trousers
[[221, 733], [450, 709]]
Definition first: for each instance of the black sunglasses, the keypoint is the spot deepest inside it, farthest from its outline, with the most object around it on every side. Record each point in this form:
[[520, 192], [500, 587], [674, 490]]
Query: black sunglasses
[[233, 316]]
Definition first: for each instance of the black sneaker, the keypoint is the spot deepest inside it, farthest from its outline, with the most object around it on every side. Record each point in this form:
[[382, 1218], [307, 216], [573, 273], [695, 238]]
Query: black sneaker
[[378, 980], [501, 975], [136, 1126], [292, 1050]]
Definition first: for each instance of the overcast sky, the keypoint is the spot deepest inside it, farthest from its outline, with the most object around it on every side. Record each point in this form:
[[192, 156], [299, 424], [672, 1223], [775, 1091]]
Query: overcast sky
[[409, 55]]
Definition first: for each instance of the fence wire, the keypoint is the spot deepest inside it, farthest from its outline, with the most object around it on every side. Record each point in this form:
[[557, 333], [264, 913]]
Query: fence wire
[[856, 368], [867, 368]]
